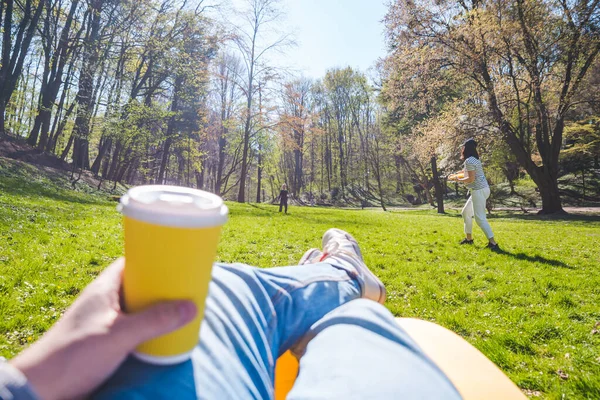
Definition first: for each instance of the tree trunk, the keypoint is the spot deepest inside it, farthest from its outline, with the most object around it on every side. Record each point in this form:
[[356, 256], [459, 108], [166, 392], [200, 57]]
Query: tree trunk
[[180, 167], [35, 131], [583, 182], [57, 127], [67, 149], [259, 175], [2, 121], [59, 131], [551, 202], [85, 93], [42, 122], [112, 170], [379, 186], [105, 165], [32, 104], [428, 195], [398, 164], [131, 172], [297, 172], [241, 198], [439, 193], [106, 144], [164, 160], [221, 163], [81, 155], [546, 179], [199, 180], [342, 161]]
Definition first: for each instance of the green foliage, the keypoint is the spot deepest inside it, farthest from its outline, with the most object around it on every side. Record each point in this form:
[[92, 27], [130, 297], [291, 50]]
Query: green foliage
[[531, 309], [491, 53], [582, 145]]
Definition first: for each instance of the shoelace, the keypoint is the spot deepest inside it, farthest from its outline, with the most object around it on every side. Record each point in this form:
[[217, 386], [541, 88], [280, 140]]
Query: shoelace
[[333, 249]]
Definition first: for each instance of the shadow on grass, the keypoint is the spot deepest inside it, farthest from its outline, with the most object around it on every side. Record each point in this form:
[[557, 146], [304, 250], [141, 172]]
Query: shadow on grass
[[16, 187], [323, 216], [558, 217], [535, 217], [536, 258]]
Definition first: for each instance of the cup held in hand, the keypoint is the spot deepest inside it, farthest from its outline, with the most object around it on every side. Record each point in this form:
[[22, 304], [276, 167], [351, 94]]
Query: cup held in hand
[[171, 239]]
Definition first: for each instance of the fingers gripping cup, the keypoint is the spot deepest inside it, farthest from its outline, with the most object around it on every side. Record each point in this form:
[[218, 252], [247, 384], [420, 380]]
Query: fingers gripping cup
[[171, 238]]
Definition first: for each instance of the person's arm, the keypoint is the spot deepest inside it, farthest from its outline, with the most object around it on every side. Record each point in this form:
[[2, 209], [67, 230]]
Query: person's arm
[[90, 341], [469, 178], [14, 385], [469, 173], [454, 176]]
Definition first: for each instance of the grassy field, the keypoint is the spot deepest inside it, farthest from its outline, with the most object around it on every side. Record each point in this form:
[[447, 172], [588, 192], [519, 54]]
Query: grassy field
[[532, 309]]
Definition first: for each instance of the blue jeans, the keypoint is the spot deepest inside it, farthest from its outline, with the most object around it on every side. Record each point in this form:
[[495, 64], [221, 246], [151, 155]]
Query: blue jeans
[[254, 315]]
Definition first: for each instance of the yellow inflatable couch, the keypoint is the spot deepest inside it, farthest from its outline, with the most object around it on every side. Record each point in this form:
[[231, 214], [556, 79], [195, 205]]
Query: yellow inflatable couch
[[473, 374]]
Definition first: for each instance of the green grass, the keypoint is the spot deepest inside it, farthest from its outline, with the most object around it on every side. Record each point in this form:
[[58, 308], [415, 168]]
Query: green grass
[[531, 310]]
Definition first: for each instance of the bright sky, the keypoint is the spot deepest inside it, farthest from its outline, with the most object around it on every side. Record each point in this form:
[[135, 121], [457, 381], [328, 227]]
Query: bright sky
[[333, 33]]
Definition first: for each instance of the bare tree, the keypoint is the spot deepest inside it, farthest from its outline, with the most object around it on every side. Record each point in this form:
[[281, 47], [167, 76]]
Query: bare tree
[[295, 120], [259, 18], [226, 94]]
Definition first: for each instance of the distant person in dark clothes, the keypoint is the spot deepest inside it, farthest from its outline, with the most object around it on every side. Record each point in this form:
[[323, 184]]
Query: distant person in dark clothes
[[283, 198]]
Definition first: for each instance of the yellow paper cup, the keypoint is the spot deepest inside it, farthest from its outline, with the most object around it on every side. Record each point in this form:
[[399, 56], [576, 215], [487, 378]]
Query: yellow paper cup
[[171, 238]]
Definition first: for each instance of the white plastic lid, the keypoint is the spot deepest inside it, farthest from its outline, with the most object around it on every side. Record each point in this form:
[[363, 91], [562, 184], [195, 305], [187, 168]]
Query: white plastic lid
[[156, 360], [173, 206]]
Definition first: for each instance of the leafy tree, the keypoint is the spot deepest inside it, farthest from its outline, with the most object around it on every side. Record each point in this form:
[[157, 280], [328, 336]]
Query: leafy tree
[[525, 60], [18, 29], [258, 17]]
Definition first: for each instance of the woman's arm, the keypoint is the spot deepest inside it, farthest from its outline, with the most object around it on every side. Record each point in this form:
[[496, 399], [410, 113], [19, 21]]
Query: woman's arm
[[469, 178]]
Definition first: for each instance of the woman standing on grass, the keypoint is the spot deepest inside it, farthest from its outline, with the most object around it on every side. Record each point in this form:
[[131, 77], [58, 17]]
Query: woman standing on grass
[[474, 179]]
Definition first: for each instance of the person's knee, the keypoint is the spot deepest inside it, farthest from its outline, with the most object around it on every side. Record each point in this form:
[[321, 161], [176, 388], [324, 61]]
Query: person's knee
[[355, 312], [360, 306], [365, 313]]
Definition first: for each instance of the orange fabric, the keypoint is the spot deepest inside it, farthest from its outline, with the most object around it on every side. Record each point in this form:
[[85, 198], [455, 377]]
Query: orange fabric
[[286, 371]]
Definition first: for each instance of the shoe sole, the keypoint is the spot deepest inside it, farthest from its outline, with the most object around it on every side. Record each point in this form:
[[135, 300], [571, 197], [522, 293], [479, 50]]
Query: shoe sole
[[310, 255]]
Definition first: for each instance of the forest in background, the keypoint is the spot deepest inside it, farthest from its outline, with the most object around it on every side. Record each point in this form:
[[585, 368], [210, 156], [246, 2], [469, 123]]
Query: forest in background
[[186, 92]]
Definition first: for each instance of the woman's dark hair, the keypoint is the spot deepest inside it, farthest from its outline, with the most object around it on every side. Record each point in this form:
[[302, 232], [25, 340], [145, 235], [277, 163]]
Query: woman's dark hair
[[470, 149]]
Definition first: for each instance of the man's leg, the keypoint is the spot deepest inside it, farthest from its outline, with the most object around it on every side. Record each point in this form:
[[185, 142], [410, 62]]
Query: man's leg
[[358, 351], [252, 316]]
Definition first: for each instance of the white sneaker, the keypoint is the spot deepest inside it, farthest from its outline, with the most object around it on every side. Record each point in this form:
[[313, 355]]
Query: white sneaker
[[340, 244], [311, 256]]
